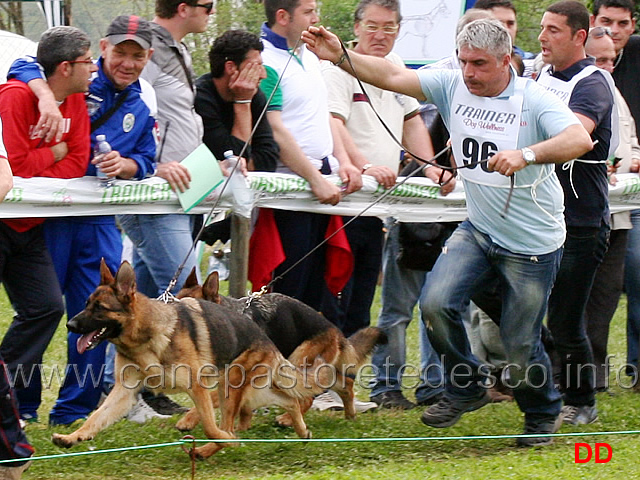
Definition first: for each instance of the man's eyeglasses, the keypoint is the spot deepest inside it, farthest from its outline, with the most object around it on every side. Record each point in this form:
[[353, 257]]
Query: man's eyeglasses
[[207, 6], [373, 28], [86, 61], [599, 32]]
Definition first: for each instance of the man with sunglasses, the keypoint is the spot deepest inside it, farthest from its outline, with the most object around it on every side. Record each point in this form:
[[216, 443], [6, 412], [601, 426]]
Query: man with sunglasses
[[26, 268]]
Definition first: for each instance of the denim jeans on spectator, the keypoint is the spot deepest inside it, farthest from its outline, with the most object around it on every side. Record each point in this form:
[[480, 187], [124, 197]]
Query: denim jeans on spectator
[[470, 261], [632, 287], [109, 378], [401, 289], [161, 244], [584, 250]]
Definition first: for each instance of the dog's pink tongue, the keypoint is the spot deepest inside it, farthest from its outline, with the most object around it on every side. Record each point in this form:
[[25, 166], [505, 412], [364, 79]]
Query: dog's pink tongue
[[83, 341]]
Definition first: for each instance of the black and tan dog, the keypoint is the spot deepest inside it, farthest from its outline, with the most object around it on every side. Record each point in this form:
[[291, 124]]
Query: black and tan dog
[[184, 346], [300, 333]]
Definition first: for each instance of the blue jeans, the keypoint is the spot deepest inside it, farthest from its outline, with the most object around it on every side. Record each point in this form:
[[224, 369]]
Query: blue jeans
[[584, 250], [632, 287], [471, 261], [401, 289], [161, 244]]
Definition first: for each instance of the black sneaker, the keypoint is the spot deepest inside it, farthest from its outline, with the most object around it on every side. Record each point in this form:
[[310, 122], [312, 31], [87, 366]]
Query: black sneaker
[[393, 399], [163, 404], [448, 411], [539, 426]]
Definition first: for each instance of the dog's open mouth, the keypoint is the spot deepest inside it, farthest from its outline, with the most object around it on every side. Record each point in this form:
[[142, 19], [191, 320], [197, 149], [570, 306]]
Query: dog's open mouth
[[90, 340]]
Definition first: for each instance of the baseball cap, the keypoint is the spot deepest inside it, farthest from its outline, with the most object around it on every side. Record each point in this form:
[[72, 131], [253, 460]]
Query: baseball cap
[[130, 27]]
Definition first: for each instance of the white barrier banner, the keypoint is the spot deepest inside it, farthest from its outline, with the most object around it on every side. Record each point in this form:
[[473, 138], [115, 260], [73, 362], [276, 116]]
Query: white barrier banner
[[415, 201]]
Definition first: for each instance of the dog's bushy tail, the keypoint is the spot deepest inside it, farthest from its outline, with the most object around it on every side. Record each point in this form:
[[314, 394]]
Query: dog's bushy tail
[[358, 347], [302, 382]]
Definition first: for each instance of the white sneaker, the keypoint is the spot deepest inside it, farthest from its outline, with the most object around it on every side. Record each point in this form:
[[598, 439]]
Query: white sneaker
[[142, 412], [328, 400], [362, 407]]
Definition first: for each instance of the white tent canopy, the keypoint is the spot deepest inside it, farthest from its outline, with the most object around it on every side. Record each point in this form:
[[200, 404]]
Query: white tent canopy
[[13, 46]]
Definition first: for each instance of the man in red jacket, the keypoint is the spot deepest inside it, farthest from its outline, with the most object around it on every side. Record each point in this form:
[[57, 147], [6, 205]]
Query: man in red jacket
[[25, 265]]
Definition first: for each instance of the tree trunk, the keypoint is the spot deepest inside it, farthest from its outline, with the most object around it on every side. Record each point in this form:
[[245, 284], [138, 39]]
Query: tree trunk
[[11, 17]]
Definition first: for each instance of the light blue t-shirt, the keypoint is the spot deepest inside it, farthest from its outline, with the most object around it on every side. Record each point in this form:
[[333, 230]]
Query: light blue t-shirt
[[534, 223]]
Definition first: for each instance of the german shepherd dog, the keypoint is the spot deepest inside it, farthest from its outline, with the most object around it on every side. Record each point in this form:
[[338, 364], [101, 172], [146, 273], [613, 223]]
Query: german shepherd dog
[[300, 333], [187, 342]]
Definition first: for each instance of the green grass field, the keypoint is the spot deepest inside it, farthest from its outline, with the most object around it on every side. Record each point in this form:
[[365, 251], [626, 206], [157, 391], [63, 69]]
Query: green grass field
[[427, 459]]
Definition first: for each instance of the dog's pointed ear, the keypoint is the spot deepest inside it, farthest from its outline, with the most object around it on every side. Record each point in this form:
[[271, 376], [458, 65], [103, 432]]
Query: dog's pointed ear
[[106, 277], [192, 279], [126, 280], [211, 287]]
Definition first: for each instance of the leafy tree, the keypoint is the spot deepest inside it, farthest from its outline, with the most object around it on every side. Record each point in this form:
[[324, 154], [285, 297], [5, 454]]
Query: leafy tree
[[529, 15], [337, 16]]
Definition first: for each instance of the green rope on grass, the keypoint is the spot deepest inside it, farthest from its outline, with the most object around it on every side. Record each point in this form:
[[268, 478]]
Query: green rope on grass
[[406, 439], [318, 440], [95, 452]]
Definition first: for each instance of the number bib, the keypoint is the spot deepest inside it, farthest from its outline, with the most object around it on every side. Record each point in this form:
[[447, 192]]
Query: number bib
[[481, 127]]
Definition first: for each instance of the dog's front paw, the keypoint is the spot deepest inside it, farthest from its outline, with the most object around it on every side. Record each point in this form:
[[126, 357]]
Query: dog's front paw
[[64, 441], [204, 452], [189, 421]]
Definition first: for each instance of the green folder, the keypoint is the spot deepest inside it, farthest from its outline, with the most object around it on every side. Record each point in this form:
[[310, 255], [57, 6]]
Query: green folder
[[205, 176]]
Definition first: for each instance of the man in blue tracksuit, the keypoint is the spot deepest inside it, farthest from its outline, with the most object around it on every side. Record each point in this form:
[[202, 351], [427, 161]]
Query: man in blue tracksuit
[[77, 244]]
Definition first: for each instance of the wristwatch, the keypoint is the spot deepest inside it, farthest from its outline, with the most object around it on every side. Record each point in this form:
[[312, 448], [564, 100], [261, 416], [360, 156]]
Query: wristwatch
[[528, 155], [366, 166]]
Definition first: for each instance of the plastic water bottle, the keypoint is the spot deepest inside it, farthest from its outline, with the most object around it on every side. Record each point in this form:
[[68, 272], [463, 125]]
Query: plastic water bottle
[[102, 147], [242, 194]]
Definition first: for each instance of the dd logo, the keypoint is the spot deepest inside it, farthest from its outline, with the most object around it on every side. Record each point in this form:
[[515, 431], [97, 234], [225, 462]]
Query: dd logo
[[589, 452]]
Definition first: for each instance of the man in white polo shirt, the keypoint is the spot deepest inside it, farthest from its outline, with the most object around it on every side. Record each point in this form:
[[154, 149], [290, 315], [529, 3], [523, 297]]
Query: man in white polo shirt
[[299, 116]]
